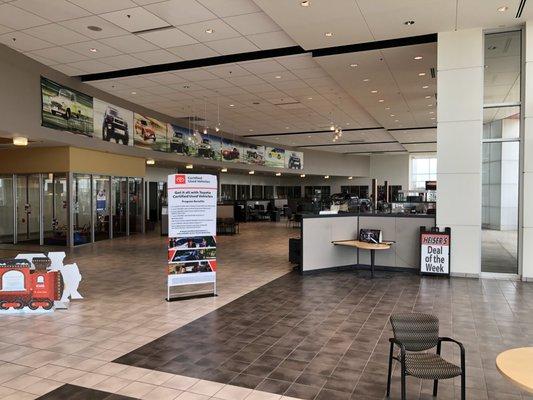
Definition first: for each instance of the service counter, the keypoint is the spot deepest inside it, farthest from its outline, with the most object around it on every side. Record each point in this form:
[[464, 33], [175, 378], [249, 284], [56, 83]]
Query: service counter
[[319, 231]]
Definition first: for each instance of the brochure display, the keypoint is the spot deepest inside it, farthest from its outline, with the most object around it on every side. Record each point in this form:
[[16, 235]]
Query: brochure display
[[192, 216], [435, 251]]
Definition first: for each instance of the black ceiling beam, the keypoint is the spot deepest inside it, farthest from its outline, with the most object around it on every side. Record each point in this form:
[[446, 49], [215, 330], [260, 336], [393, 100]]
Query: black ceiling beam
[[198, 63], [258, 55], [311, 132], [377, 45]]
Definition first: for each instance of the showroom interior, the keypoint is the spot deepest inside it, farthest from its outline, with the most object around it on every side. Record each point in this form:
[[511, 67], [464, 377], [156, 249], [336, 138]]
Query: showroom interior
[[320, 122]]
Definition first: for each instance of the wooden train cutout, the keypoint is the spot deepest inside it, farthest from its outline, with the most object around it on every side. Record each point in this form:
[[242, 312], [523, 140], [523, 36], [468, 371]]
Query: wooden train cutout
[[20, 286]]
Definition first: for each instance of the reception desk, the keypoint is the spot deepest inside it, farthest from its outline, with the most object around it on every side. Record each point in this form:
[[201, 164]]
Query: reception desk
[[319, 231]]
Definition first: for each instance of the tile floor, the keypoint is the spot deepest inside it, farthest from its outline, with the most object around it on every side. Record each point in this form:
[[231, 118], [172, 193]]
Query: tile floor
[[269, 335]]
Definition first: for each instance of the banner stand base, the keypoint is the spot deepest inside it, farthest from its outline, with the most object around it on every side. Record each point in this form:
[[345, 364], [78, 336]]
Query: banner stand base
[[191, 296]]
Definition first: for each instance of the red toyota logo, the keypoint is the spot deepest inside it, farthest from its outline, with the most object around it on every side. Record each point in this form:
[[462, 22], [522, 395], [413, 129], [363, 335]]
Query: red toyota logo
[[180, 179]]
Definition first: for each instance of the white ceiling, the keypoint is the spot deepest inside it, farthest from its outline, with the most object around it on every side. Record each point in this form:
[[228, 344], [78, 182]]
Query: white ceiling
[[293, 93]]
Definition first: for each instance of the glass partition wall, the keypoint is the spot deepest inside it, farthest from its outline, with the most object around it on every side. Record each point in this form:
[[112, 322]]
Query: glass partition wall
[[40, 208]]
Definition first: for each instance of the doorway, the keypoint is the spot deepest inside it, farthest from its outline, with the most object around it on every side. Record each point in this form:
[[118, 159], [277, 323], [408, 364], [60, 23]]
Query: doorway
[[120, 206], [28, 208]]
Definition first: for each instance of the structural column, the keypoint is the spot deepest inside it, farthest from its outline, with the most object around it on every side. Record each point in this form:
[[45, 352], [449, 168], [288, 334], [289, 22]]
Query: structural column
[[459, 132]]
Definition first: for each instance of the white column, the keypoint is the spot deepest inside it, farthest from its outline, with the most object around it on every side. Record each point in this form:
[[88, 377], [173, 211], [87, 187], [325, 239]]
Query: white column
[[459, 131], [527, 183]]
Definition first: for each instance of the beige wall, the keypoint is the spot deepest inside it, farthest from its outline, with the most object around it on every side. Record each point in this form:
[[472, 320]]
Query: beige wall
[[97, 162]]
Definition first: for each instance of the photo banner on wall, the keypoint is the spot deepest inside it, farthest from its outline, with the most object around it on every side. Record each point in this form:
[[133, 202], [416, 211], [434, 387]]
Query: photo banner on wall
[[294, 159], [274, 157], [66, 109], [230, 150], [113, 123], [192, 225], [150, 133]]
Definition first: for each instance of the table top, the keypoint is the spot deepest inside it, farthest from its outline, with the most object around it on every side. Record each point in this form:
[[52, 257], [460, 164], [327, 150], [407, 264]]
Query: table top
[[363, 245], [516, 365]]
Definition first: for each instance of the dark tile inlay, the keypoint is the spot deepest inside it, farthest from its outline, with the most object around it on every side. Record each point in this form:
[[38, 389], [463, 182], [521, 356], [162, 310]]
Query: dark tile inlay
[[72, 392], [325, 336]]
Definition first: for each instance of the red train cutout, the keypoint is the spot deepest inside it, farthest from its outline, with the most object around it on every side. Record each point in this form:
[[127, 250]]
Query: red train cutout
[[22, 287]]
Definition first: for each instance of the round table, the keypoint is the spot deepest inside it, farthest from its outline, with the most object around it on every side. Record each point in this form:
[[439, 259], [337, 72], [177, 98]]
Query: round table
[[517, 366]]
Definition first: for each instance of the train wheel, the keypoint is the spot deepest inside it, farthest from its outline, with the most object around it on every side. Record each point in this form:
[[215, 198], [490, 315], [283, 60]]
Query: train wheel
[[48, 305], [32, 305], [3, 305], [20, 304]]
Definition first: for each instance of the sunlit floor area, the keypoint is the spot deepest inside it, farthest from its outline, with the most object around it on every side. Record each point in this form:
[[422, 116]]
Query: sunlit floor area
[[499, 251], [270, 334]]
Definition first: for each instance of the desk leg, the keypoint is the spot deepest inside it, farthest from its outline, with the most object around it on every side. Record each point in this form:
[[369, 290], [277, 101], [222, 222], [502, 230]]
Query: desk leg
[[372, 255]]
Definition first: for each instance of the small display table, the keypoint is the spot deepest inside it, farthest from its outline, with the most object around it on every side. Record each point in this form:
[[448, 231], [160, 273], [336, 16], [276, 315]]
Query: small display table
[[365, 246], [516, 365]]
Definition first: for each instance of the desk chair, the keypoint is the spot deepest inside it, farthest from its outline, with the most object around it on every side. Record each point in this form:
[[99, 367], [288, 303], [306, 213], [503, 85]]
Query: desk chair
[[414, 333]]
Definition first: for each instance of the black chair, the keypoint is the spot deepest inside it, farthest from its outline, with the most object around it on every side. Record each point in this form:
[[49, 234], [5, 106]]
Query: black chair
[[414, 333]]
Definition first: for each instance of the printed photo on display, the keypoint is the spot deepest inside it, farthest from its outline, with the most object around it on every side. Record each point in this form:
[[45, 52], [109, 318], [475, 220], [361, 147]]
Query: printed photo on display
[[192, 267], [193, 255], [197, 242], [112, 123], [150, 133]]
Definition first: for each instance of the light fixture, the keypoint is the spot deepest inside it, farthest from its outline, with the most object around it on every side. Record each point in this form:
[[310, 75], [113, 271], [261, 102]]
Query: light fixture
[[209, 31], [332, 127], [354, 65], [205, 131], [251, 172], [432, 112], [418, 58], [232, 105], [366, 80], [409, 23], [287, 127], [432, 118], [150, 161], [94, 28], [305, 3], [224, 170], [396, 120], [20, 141], [428, 97], [430, 105], [133, 93], [421, 74], [350, 177], [387, 108], [189, 166], [278, 173], [373, 91], [250, 130], [381, 100], [217, 128], [278, 77], [392, 115], [425, 87], [93, 50], [503, 8], [309, 98], [326, 177], [328, 34], [302, 176]]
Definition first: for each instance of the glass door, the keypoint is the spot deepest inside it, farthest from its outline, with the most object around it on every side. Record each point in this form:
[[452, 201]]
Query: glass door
[[119, 206], [6, 209], [101, 193], [55, 209], [82, 221], [135, 206], [28, 208]]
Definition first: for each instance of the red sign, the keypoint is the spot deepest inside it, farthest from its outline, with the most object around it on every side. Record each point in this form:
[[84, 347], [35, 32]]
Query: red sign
[[435, 239], [180, 179]]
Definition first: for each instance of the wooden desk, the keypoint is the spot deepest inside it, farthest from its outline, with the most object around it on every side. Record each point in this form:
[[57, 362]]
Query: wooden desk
[[365, 246], [516, 365]]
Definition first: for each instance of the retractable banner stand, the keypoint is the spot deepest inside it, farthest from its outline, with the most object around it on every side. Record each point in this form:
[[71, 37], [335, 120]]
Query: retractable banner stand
[[192, 225], [435, 251]]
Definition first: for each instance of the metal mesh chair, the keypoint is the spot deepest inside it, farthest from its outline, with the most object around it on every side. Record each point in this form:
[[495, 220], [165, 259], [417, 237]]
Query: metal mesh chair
[[414, 334]]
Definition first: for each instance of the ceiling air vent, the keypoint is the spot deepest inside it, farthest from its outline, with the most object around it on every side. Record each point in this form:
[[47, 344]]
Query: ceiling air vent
[[520, 8]]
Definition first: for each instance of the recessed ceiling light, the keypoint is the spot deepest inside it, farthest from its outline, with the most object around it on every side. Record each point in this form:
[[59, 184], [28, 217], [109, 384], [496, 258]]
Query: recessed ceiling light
[[408, 23], [428, 97], [328, 34], [278, 173], [251, 130], [350, 177], [326, 177], [309, 98], [224, 170], [93, 50], [373, 91], [305, 3], [366, 80], [278, 77], [432, 118], [209, 31], [94, 28], [186, 87], [302, 176], [503, 8], [20, 141], [150, 161], [432, 112], [430, 105], [421, 74], [425, 87], [354, 65], [387, 108], [133, 92], [418, 57], [189, 166], [309, 136], [347, 123], [287, 127], [232, 105], [396, 120], [392, 115], [251, 172]]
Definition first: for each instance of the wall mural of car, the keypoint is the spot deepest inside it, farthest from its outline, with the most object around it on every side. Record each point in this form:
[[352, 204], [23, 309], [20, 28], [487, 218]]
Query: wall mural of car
[[295, 162], [276, 153], [254, 157], [143, 129], [178, 144], [230, 154], [115, 127], [65, 103], [205, 150]]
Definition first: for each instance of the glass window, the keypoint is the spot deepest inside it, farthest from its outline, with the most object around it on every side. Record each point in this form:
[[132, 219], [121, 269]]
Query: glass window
[[55, 209], [119, 205], [81, 192], [6, 209], [227, 192], [501, 122], [28, 210], [101, 204], [423, 169], [136, 204], [269, 192], [257, 192], [243, 192]]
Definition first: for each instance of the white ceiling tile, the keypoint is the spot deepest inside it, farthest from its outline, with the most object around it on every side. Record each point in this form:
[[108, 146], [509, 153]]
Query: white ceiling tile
[[60, 10], [220, 30], [91, 66], [4, 29], [249, 24], [227, 8], [129, 44], [135, 19], [124, 61], [157, 57], [166, 38], [102, 50], [23, 42], [195, 75], [227, 70], [56, 34], [69, 70], [310, 73], [103, 6], [233, 46], [60, 55], [16, 18], [271, 40], [263, 66], [300, 61], [165, 78], [108, 29], [193, 51], [42, 60], [181, 12]]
